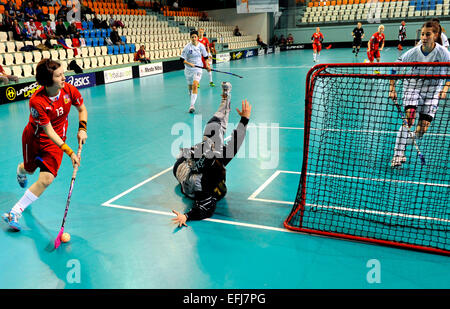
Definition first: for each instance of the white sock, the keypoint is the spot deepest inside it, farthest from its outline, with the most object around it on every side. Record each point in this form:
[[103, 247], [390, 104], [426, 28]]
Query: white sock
[[24, 202], [193, 99], [315, 56], [403, 139], [210, 77]]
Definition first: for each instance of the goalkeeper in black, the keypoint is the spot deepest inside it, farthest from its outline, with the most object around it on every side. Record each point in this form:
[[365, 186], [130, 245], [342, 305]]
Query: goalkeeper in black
[[200, 170]]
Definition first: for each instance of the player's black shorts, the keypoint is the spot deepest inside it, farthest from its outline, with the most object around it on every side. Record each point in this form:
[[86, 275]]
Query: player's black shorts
[[357, 42]]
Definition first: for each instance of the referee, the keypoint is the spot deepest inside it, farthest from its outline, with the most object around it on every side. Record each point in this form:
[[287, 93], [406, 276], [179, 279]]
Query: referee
[[358, 35]]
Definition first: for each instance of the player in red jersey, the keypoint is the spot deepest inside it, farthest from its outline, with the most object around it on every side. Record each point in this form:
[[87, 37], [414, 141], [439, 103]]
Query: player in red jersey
[[317, 39], [43, 139], [373, 47], [204, 40]]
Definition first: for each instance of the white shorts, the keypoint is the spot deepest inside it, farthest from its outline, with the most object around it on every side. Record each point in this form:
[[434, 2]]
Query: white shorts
[[424, 104], [191, 75]]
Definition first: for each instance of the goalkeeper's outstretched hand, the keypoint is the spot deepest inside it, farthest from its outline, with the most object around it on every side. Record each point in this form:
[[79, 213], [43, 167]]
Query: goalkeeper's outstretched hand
[[246, 109]]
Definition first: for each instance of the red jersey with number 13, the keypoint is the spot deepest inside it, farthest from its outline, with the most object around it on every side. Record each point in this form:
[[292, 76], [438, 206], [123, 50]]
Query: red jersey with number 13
[[44, 110]]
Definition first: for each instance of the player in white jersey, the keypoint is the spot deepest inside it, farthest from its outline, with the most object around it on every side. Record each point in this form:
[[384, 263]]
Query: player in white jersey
[[421, 95], [443, 39], [192, 58]]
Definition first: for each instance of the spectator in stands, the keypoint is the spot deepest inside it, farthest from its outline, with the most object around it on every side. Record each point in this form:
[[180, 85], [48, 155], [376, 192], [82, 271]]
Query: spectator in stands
[[212, 48], [17, 31], [132, 5], [112, 21], [96, 21], [115, 23], [274, 41], [282, 41], [29, 12], [260, 42], [61, 28], [156, 6], [115, 37], [204, 17], [72, 29], [39, 14], [290, 39], [5, 78], [62, 13], [20, 15], [140, 55], [48, 31], [10, 14], [175, 5], [236, 31]]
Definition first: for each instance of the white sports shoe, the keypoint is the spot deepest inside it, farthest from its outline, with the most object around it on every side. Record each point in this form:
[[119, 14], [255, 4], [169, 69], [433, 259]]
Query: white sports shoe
[[397, 161], [191, 109]]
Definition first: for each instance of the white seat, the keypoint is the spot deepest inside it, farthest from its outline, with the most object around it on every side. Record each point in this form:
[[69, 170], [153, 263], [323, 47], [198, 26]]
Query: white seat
[[19, 57], [107, 61], [101, 61], [94, 63], [46, 54], [104, 50], [17, 70], [70, 53], [62, 54], [9, 59], [10, 47], [87, 63], [79, 62], [27, 70], [54, 54], [98, 50], [120, 59], [7, 70], [19, 45], [91, 51], [114, 60], [28, 57]]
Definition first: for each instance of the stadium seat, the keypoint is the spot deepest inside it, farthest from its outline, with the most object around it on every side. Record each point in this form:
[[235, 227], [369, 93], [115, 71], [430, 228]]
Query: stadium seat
[[27, 70], [115, 49], [121, 49], [88, 41], [110, 49], [113, 60], [100, 61], [107, 61], [17, 70], [120, 59]]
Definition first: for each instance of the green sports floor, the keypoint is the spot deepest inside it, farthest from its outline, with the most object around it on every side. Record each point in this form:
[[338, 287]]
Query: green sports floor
[[120, 214]]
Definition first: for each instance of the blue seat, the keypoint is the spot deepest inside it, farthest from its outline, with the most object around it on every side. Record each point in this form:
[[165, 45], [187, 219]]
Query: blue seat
[[133, 48], [98, 33], [101, 41], [94, 42], [84, 25], [127, 48], [124, 38], [116, 50], [121, 49], [104, 32], [90, 24], [108, 32], [110, 50], [88, 41]]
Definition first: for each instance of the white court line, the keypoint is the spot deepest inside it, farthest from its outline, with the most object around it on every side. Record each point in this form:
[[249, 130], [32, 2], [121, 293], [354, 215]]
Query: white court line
[[374, 179], [108, 203], [269, 67], [253, 197], [236, 223], [340, 130]]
